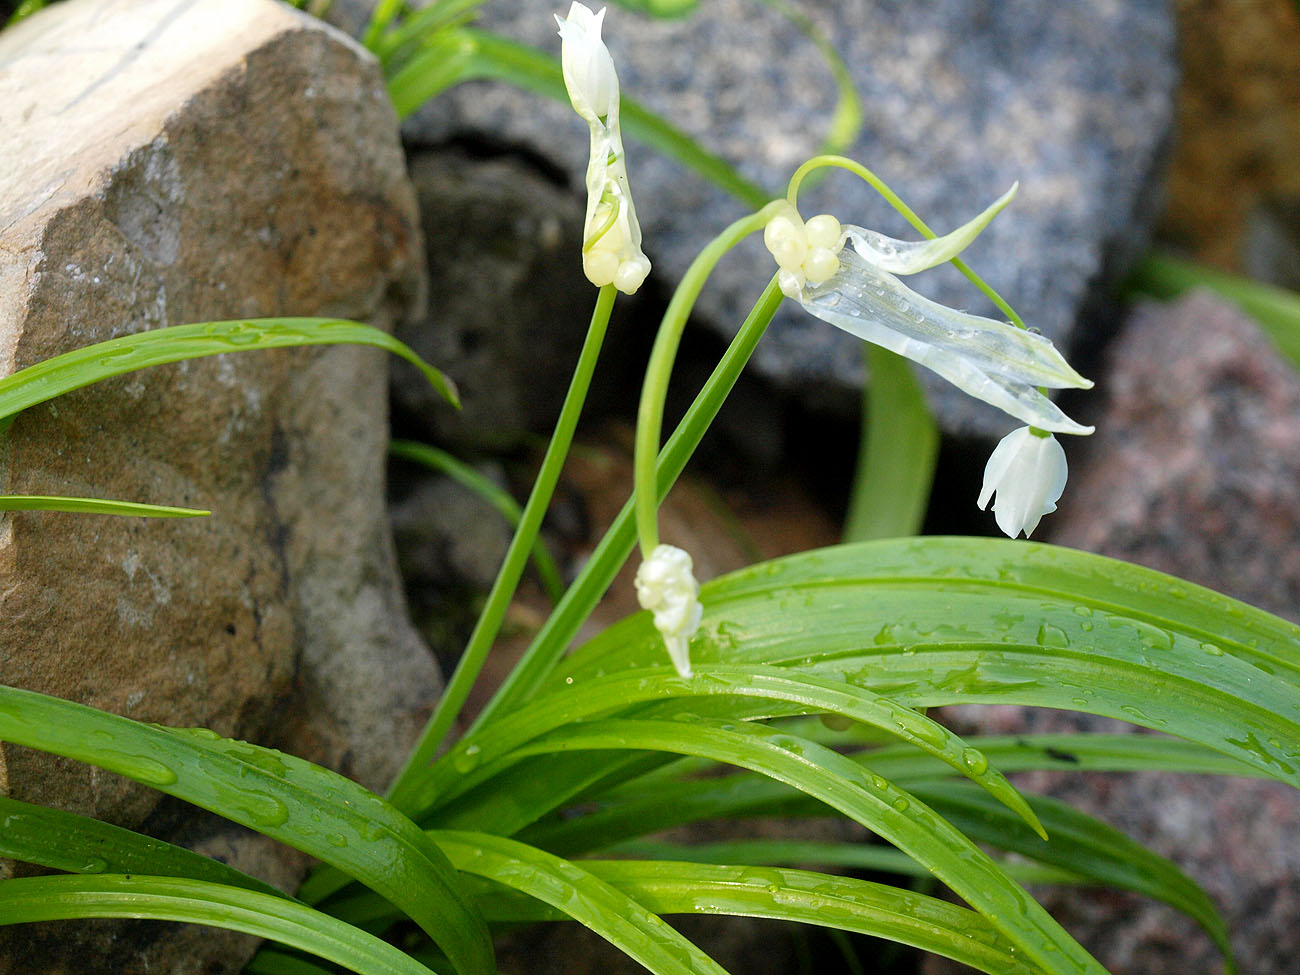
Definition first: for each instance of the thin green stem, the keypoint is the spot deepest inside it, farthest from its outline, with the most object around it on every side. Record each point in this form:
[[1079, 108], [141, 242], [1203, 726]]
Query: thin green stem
[[512, 567], [876, 183], [612, 552], [650, 414]]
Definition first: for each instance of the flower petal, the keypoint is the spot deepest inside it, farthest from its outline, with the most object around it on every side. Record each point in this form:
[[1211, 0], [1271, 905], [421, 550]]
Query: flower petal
[[911, 256], [992, 361]]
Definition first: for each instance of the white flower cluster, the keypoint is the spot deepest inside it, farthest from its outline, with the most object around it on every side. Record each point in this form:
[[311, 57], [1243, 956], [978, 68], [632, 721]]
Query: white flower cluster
[[805, 252], [666, 587], [845, 275], [611, 239]]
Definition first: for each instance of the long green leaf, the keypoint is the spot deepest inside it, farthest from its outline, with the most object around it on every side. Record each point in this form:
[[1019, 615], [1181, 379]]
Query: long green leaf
[[812, 898], [629, 811], [481, 755], [94, 506], [1083, 845], [865, 797], [66, 897], [140, 350], [792, 853], [941, 621], [78, 844], [570, 887], [303, 805]]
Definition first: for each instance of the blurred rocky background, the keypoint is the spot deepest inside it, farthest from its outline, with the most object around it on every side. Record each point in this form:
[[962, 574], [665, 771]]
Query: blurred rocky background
[[1128, 124]]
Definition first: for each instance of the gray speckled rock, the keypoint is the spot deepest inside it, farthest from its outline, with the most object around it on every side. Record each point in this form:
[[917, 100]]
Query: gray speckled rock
[[960, 100]]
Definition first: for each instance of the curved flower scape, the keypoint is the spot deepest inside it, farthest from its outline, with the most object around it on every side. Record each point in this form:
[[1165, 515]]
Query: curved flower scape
[[611, 239], [850, 283]]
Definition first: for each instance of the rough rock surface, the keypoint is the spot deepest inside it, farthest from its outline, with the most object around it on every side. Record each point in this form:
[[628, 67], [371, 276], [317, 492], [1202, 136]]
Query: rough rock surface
[[959, 100], [1192, 471], [201, 162], [508, 304]]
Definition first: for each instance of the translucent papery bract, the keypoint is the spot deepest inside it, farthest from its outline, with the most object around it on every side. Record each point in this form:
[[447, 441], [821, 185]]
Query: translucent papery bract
[[911, 256], [990, 360]]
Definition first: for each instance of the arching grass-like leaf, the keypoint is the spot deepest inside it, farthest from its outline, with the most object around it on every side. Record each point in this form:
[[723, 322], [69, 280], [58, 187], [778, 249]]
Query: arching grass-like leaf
[[303, 805], [66, 841], [862, 796], [479, 756], [571, 888], [813, 898], [94, 506], [140, 350], [65, 897], [1083, 845], [942, 621]]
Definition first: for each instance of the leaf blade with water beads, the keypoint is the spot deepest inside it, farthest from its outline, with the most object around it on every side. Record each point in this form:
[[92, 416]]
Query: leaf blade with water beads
[[63, 840], [866, 798], [70, 897], [91, 364], [939, 621], [621, 920], [1084, 845], [812, 898], [480, 755], [293, 801]]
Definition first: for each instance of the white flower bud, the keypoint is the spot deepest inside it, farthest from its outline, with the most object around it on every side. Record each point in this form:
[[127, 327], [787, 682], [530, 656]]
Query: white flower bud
[[611, 234], [666, 587], [589, 72], [1028, 473]]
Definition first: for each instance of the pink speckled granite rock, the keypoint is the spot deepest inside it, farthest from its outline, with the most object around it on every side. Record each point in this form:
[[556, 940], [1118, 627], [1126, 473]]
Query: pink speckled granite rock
[[1194, 470]]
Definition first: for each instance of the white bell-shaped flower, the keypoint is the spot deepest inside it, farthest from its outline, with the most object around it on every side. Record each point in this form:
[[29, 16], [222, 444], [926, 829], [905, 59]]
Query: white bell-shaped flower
[[666, 587], [845, 275], [611, 238], [589, 73], [1027, 473]]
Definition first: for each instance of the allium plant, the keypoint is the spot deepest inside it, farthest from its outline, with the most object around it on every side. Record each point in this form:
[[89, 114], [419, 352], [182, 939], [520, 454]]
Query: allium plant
[[798, 687]]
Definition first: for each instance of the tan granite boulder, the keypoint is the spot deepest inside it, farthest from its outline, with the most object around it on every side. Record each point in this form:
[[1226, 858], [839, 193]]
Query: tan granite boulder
[[167, 163]]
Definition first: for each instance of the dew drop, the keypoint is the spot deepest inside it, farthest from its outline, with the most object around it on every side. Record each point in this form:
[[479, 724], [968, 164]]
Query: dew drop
[[1052, 636], [94, 865], [975, 760], [467, 761], [901, 804], [1212, 649]]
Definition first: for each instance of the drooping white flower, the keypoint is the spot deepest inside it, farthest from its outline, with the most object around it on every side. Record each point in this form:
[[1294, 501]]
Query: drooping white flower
[[666, 586], [1027, 473], [845, 275], [611, 239]]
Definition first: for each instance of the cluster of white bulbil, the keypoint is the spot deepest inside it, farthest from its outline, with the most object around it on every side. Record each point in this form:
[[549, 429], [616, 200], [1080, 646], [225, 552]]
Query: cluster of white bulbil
[[666, 586], [611, 238], [805, 252]]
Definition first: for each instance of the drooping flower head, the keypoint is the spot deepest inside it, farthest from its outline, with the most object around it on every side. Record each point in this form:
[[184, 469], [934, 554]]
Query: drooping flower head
[[611, 239], [665, 585], [846, 275]]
